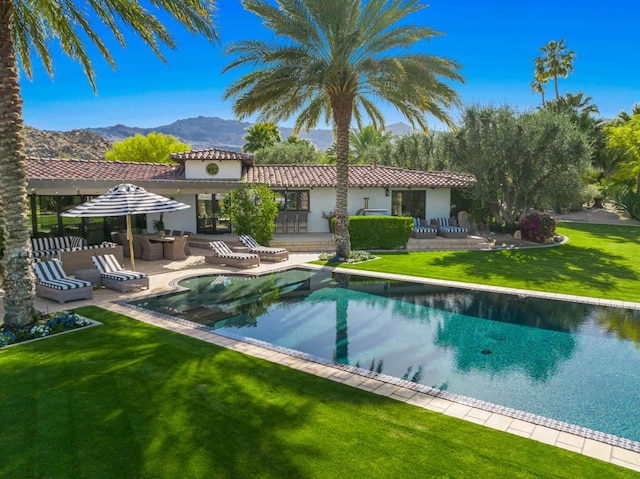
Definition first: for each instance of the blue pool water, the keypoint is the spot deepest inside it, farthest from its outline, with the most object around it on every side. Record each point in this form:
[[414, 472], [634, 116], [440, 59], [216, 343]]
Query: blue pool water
[[573, 362]]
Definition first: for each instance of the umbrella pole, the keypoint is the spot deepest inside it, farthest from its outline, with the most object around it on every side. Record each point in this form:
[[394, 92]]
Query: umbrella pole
[[130, 238]]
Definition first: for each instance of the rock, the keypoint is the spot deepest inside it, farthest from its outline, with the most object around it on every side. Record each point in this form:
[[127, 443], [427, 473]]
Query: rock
[[76, 144], [466, 221], [517, 234], [558, 239]]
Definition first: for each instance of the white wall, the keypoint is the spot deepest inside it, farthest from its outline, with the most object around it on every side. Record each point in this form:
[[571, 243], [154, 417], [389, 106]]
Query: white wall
[[184, 220], [438, 203], [197, 170]]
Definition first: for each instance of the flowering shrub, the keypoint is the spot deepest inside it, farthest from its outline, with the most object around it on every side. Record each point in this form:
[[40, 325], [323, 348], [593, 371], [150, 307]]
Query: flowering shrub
[[354, 257], [538, 227], [56, 323]]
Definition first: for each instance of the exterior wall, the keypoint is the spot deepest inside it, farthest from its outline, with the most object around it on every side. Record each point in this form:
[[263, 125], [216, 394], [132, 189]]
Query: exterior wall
[[438, 203], [227, 170], [184, 220]]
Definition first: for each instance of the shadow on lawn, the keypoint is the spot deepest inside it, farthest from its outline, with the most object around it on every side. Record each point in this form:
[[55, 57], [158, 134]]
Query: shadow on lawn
[[150, 403]]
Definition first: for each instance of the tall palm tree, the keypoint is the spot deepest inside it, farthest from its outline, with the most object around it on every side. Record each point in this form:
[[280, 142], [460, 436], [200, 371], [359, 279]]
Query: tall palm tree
[[331, 59], [27, 27], [556, 62]]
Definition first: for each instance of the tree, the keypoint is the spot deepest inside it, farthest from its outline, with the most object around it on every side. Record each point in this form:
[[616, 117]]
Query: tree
[[261, 135], [252, 211], [416, 151], [520, 160], [153, 148], [556, 62], [288, 153], [26, 28], [625, 137], [364, 139], [331, 59]]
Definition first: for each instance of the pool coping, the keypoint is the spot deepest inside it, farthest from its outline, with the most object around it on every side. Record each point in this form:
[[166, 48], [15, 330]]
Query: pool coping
[[597, 444]]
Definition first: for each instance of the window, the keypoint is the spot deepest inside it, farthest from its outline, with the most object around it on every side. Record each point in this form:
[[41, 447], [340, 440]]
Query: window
[[408, 203], [292, 200]]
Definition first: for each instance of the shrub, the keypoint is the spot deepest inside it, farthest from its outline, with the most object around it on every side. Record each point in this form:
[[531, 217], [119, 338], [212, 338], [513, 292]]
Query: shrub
[[379, 232], [538, 227], [625, 199], [354, 257], [252, 211], [56, 323]]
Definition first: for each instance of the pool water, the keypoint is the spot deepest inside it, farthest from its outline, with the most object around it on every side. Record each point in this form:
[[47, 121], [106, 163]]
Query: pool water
[[572, 362]]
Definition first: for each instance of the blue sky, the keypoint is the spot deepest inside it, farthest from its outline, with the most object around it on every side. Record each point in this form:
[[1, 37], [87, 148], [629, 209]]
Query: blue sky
[[494, 41]]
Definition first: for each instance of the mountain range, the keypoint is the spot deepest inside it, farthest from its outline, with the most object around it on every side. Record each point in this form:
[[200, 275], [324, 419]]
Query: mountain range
[[200, 132]]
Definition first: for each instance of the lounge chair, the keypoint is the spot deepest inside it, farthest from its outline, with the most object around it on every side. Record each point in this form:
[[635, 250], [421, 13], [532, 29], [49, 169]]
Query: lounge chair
[[447, 228], [114, 276], [421, 230], [266, 253], [53, 283], [223, 255]]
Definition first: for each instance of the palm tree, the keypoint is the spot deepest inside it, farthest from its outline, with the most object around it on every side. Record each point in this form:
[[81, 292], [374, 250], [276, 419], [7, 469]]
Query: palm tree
[[27, 27], [330, 59], [261, 135], [540, 78], [556, 62], [365, 138]]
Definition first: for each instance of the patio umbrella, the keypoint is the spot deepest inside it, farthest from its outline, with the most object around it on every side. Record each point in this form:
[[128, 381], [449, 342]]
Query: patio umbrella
[[126, 200]]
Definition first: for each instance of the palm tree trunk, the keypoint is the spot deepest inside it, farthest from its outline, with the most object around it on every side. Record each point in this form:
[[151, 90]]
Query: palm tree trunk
[[19, 308], [555, 84], [342, 106]]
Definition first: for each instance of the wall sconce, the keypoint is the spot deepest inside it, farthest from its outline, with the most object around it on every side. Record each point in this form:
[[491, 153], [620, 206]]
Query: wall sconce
[[386, 192]]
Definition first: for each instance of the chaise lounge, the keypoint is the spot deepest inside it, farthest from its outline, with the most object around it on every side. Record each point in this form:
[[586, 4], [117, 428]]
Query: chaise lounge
[[448, 229], [114, 276], [223, 255], [264, 252], [53, 283], [421, 230]]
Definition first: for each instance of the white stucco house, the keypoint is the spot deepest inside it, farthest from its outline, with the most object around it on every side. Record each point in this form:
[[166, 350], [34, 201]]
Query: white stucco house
[[203, 178]]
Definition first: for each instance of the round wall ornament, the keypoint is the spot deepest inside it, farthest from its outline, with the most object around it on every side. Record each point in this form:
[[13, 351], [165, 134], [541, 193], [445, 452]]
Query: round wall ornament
[[213, 168]]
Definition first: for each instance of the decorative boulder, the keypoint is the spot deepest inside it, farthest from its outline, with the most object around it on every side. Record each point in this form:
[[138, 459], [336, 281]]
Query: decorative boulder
[[466, 221]]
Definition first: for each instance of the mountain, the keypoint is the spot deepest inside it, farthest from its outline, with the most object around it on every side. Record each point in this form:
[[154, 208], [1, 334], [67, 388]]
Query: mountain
[[79, 144], [213, 132]]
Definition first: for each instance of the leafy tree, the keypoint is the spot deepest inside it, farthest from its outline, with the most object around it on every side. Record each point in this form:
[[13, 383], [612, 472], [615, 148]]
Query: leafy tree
[[416, 151], [261, 135], [288, 154], [330, 59], [296, 140], [365, 139], [252, 211], [26, 28], [625, 137], [153, 148], [520, 161], [555, 62], [624, 117]]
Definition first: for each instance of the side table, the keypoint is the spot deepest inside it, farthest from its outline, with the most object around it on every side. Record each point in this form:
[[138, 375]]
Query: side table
[[91, 275]]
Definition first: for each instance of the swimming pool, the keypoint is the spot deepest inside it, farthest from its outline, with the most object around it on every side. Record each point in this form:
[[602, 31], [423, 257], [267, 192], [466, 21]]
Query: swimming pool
[[572, 362]]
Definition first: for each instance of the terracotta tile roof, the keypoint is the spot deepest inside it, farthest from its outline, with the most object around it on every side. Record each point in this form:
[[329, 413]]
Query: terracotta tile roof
[[317, 176], [213, 154], [53, 168]]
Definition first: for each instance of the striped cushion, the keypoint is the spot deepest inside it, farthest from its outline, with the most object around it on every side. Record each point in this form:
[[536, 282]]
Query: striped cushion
[[248, 241], [425, 229], [110, 269], [51, 274], [454, 229], [220, 248], [268, 250], [44, 252], [442, 222]]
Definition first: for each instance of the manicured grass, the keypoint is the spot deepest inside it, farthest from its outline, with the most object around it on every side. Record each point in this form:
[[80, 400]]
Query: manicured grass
[[128, 400], [600, 261]]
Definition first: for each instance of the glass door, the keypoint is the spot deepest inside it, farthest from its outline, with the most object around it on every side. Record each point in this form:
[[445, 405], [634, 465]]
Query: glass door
[[209, 210]]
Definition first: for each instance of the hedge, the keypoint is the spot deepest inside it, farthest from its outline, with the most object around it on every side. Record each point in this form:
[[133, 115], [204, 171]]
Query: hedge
[[379, 232]]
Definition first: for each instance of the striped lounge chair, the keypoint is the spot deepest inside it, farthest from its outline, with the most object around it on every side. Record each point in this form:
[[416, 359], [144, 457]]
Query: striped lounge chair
[[266, 253], [423, 231], [223, 255], [53, 283], [448, 230], [114, 276]]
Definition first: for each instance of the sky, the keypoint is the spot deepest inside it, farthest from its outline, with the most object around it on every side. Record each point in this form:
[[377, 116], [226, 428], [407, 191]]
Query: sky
[[494, 41]]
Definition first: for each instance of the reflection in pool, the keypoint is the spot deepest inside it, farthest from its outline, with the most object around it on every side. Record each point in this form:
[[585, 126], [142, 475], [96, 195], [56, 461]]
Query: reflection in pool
[[572, 362]]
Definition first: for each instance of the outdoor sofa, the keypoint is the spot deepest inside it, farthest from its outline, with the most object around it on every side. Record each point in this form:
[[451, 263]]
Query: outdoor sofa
[[223, 255], [264, 252]]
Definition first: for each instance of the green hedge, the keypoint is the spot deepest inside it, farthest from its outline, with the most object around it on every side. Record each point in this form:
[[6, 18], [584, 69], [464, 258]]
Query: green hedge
[[379, 232]]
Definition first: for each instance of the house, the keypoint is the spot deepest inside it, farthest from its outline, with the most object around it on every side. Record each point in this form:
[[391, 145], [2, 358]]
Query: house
[[203, 179]]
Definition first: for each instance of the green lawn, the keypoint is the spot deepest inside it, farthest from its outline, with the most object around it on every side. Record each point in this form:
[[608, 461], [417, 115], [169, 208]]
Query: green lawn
[[599, 261], [128, 400]]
